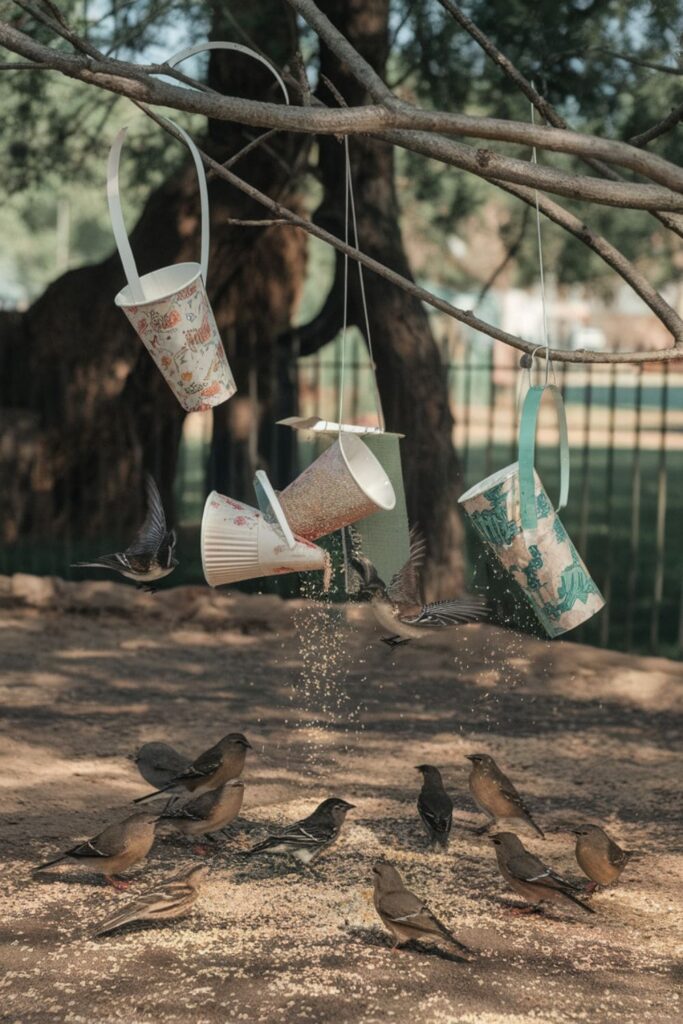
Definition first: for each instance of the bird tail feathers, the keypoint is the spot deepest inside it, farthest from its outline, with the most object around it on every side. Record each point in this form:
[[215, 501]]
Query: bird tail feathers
[[50, 863], [579, 903]]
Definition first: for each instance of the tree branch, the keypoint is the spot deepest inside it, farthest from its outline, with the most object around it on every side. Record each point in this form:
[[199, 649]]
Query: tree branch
[[135, 81], [464, 316]]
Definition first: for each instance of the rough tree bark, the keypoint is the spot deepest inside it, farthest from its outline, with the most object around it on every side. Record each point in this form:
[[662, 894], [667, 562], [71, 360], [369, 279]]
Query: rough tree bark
[[84, 407], [411, 379]]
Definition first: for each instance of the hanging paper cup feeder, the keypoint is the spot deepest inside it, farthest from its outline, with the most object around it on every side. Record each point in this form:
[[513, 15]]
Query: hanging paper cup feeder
[[384, 535], [169, 308], [512, 513], [238, 544]]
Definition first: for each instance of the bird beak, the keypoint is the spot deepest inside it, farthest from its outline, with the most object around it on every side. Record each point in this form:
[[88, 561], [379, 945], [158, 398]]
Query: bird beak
[[247, 745], [470, 757], [350, 807]]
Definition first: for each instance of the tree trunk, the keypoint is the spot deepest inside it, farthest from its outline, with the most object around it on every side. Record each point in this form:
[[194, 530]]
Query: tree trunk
[[412, 381], [84, 408]]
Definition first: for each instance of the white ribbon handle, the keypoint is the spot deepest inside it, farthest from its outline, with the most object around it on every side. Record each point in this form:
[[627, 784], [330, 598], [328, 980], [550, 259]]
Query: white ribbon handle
[[116, 214], [200, 47]]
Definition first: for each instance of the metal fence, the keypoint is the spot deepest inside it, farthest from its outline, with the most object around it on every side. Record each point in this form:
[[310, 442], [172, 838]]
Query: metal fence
[[625, 512]]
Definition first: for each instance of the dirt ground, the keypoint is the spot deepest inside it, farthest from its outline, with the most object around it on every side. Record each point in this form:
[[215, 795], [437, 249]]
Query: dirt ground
[[90, 671]]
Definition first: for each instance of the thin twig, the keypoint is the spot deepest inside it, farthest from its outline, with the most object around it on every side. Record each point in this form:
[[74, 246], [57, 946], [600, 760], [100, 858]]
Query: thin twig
[[674, 116], [265, 223]]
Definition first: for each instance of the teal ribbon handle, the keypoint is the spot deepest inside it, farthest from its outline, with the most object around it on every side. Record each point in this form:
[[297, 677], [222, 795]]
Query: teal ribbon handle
[[527, 449]]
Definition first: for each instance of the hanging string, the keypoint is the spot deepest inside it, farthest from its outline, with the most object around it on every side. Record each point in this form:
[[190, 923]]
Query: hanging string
[[349, 201], [546, 337]]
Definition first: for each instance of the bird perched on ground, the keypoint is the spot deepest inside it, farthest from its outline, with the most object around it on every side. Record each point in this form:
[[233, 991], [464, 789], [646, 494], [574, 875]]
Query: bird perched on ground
[[495, 795], [406, 916], [115, 849], [434, 806], [159, 763], [163, 902], [530, 877], [151, 556], [210, 812], [399, 607], [210, 770], [305, 840], [598, 856]]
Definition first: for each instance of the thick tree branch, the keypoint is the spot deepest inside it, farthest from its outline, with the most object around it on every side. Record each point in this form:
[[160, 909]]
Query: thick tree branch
[[464, 316], [135, 81]]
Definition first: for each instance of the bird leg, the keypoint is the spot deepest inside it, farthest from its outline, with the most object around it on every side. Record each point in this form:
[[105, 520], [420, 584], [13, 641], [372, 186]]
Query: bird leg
[[591, 887], [528, 908], [118, 883], [200, 850], [394, 641], [146, 588]]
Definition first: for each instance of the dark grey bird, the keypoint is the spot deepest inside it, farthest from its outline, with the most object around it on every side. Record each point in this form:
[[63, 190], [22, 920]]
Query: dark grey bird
[[212, 769], [115, 849], [151, 556], [434, 806], [159, 762], [165, 901], [598, 856], [530, 877], [305, 840], [495, 795], [399, 607], [405, 915]]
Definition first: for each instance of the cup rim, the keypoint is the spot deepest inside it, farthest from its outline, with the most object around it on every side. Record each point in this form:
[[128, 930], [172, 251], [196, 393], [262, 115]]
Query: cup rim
[[370, 460], [490, 481], [123, 303]]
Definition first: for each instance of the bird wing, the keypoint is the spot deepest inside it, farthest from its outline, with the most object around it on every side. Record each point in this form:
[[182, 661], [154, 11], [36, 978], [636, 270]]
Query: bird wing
[[153, 531], [405, 587], [365, 569], [404, 907], [198, 809], [461, 610], [616, 855], [206, 764], [108, 843], [437, 810], [117, 562], [525, 867], [301, 834]]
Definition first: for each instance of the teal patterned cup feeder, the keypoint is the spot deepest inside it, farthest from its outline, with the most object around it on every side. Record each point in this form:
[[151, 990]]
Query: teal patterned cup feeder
[[512, 513]]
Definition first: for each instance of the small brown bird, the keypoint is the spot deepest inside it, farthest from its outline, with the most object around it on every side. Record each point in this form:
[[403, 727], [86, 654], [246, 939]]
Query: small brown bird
[[598, 856], [405, 915], [212, 769], [210, 812], [495, 795], [163, 902], [434, 806], [114, 850], [159, 763], [530, 877]]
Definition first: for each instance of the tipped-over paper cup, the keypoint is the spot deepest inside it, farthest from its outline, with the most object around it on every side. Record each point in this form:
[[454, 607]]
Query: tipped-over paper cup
[[238, 544], [344, 484]]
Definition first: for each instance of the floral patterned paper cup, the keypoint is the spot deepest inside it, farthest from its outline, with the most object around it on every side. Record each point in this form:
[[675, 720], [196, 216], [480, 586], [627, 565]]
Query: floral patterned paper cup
[[543, 561], [238, 544], [169, 308]]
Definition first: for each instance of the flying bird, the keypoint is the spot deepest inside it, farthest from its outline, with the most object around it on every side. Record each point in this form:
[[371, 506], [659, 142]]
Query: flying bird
[[496, 796], [399, 607], [212, 769], [405, 915], [305, 840], [598, 856], [115, 849], [166, 901], [530, 877], [434, 806], [151, 556]]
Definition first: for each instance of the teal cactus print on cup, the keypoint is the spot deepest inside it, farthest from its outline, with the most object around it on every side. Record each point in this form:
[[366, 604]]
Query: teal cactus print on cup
[[543, 562]]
